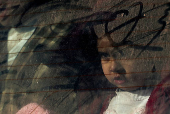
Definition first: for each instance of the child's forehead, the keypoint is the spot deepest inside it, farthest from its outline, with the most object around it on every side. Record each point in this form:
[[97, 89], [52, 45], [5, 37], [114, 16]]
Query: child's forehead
[[104, 44]]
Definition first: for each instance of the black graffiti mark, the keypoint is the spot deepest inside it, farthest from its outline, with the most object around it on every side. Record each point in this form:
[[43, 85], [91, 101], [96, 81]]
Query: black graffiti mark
[[124, 41], [136, 21], [106, 17], [159, 32], [151, 48]]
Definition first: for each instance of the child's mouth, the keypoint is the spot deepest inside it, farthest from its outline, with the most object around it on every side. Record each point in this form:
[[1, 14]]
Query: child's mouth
[[118, 80]]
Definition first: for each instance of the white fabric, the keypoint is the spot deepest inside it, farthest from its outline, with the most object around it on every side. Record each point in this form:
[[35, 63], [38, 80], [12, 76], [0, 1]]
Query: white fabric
[[17, 37], [129, 102]]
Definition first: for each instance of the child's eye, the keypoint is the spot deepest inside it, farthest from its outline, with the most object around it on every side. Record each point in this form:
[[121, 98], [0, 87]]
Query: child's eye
[[104, 56]]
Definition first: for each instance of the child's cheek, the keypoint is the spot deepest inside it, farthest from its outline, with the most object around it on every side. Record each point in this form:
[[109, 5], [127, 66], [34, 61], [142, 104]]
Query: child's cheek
[[106, 71], [106, 68]]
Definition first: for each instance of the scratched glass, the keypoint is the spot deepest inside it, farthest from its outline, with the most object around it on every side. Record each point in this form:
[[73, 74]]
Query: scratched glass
[[55, 68]]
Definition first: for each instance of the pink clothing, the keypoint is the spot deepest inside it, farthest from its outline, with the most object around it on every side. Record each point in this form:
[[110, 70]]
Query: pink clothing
[[32, 108]]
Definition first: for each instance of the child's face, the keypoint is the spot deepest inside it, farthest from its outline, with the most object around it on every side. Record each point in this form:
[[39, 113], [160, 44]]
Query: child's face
[[121, 68]]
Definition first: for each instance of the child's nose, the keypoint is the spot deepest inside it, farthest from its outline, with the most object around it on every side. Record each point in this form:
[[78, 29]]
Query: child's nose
[[115, 66]]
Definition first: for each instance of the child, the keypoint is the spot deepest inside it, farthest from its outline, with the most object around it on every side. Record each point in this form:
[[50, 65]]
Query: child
[[135, 80], [132, 77]]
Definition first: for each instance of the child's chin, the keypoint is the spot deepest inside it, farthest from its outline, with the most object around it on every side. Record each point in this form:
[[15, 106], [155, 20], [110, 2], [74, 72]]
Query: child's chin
[[127, 88]]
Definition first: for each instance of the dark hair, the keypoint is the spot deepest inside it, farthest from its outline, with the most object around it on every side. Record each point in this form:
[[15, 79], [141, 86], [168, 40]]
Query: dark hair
[[80, 45]]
